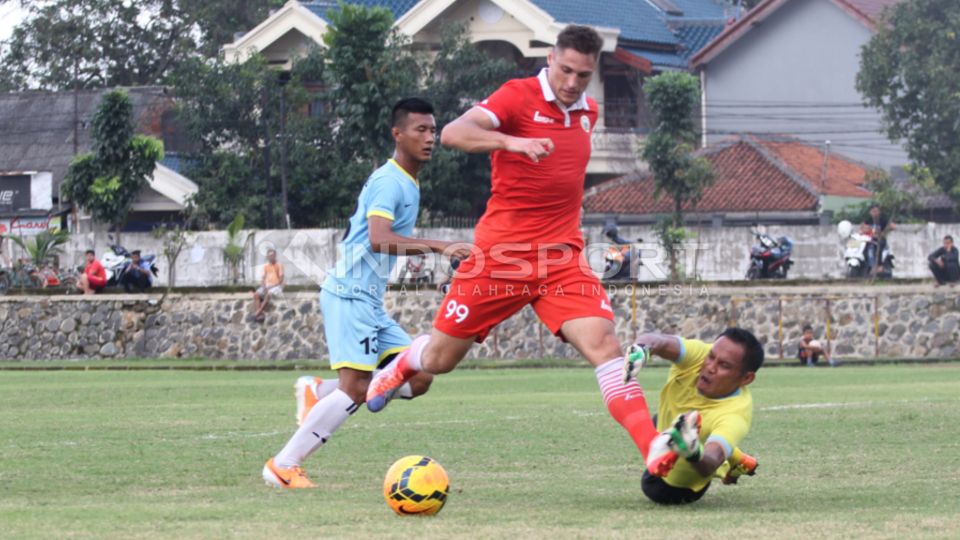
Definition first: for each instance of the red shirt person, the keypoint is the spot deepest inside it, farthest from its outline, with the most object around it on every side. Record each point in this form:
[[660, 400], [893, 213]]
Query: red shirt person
[[528, 243], [94, 277]]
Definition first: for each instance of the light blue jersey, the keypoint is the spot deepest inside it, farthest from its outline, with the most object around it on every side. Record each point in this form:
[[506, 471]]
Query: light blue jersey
[[361, 273]]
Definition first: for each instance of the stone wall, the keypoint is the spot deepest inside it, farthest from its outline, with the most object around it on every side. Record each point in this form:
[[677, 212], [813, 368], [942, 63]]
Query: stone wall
[[715, 254], [885, 321]]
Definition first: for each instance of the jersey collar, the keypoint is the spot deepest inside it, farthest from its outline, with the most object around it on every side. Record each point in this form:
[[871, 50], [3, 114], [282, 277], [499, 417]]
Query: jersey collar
[[405, 173], [548, 95]]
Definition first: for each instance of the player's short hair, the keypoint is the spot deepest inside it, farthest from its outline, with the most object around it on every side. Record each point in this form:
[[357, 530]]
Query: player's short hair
[[807, 327], [583, 39], [406, 106], [948, 237], [135, 252], [271, 250], [752, 349], [874, 205], [89, 252]]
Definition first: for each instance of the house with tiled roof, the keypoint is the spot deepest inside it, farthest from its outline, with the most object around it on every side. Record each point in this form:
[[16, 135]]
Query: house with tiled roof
[[789, 67], [765, 179], [641, 38]]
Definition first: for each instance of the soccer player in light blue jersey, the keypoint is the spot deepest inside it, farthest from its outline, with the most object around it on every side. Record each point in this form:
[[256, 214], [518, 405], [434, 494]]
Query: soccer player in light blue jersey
[[361, 337]]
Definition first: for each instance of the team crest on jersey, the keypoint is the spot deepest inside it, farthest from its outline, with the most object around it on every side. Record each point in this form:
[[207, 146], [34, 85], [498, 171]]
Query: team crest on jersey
[[585, 123]]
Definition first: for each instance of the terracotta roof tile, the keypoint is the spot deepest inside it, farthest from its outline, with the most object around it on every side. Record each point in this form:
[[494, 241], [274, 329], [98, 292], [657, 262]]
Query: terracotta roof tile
[[844, 178], [753, 175]]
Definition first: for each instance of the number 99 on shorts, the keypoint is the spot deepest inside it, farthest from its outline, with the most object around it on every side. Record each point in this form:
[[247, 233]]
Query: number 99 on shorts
[[456, 310]]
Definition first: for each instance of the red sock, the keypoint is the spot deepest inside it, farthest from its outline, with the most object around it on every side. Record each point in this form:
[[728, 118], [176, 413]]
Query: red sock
[[403, 366], [627, 404]]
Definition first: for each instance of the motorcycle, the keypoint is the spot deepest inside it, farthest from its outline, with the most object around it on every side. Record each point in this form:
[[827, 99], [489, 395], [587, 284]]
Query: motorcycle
[[618, 258], [116, 262], [770, 258], [858, 245], [416, 272]]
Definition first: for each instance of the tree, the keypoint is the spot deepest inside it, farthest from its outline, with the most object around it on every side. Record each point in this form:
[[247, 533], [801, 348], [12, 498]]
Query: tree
[[106, 181], [98, 43], [673, 98], [908, 71], [457, 183], [174, 238], [349, 88], [233, 251], [42, 246]]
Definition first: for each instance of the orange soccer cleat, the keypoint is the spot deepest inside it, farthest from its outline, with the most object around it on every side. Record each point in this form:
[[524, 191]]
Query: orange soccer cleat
[[746, 466], [306, 391], [292, 478]]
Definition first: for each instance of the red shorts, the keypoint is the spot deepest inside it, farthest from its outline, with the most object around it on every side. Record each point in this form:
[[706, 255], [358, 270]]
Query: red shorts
[[487, 290], [96, 282]]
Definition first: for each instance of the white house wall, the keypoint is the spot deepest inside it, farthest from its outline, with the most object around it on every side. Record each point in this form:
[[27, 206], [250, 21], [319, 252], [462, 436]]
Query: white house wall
[[806, 52], [41, 191]]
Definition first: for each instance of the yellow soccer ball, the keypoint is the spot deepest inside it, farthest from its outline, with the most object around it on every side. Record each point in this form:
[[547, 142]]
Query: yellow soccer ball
[[416, 485]]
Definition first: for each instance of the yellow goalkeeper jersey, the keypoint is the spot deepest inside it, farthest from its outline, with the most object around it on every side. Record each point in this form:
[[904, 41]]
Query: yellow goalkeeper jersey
[[725, 420]]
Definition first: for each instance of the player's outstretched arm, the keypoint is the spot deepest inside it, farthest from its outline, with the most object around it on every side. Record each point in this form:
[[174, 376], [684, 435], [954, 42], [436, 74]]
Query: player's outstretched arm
[[712, 457], [384, 240], [475, 132], [662, 345]]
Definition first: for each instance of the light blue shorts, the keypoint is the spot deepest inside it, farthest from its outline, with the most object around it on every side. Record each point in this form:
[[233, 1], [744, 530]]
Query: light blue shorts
[[359, 335]]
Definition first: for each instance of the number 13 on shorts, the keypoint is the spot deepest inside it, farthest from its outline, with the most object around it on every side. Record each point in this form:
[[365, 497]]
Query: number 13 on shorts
[[457, 311]]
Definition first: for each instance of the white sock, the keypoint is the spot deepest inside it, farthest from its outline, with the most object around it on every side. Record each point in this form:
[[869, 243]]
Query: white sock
[[325, 387], [416, 350], [324, 418]]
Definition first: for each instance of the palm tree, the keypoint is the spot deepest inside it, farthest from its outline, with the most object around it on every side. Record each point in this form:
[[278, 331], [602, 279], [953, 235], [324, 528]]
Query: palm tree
[[43, 246], [233, 251]]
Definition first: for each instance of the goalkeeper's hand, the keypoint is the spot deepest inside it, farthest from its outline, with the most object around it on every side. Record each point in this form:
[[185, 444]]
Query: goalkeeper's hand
[[638, 354], [685, 436]]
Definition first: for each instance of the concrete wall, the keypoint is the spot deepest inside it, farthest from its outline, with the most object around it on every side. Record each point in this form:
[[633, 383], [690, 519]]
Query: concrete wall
[[807, 52], [887, 321], [722, 254]]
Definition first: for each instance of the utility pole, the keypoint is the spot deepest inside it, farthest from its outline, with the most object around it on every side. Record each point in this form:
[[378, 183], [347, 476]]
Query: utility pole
[[266, 152], [283, 80]]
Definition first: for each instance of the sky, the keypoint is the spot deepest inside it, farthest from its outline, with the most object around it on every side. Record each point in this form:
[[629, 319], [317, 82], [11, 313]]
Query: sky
[[10, 15]]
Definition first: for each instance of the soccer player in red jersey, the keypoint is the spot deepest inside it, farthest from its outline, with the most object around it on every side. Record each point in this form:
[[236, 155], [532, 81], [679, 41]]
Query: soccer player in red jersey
[[528, 245]]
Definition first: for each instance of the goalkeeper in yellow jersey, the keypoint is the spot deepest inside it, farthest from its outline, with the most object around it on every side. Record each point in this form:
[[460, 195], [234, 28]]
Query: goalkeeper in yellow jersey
[[704, 412]]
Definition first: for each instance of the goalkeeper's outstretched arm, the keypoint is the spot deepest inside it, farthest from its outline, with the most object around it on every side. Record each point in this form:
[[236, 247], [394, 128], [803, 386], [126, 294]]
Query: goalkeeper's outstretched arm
[[663, 345]]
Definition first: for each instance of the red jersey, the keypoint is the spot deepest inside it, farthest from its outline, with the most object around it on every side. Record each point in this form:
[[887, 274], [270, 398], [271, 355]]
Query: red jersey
[[537, 203], [96, 275]]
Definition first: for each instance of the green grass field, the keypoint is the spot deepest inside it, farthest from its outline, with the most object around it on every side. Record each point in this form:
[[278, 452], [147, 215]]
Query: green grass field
[[850, 452]]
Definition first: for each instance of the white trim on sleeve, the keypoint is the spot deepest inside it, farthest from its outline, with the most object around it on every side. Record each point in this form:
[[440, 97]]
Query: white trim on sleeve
[[492, 115]]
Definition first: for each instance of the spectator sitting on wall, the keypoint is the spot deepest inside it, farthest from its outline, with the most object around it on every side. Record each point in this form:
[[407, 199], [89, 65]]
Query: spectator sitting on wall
[[944, 263], [94, 277], [809, 350], [138, 275], [271, 285]]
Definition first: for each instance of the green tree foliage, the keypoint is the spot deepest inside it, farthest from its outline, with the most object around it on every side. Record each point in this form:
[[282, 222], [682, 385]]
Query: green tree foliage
[[457, 183], [106, 181], [673, 98], [908, 70], [118, 42], [349, 87], [233, 251], [42, 246]]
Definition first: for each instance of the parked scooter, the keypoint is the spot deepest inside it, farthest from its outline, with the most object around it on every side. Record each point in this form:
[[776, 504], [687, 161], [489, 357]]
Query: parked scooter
[[770, 258], [117, 261], [858, 245], [618, 258]]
